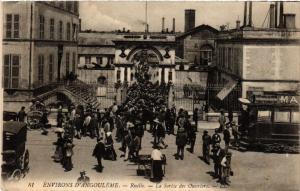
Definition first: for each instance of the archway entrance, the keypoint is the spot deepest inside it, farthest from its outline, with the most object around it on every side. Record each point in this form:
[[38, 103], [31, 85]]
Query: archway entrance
[[145, 65]]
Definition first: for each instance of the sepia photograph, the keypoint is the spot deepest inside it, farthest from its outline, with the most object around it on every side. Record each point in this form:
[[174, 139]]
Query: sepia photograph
[[150, 95]]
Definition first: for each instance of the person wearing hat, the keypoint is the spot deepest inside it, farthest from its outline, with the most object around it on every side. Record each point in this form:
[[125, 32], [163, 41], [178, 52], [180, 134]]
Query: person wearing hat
[[83, 178], [222, 120], [109, 144], [216, 138], [206, 140], [226, 168], [218, 154], [156, 165], [58, 154], [181, 140], [68, 154], [226, 137], [235, 133], [99, 153]]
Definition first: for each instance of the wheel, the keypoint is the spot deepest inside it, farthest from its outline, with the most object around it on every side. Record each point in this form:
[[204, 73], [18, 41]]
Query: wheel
[[16, 175], [26, 159]]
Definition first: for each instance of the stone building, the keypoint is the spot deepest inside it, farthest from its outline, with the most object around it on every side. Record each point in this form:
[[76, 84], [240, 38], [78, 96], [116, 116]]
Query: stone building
[[256, 60], [39, 47], [197, 47]]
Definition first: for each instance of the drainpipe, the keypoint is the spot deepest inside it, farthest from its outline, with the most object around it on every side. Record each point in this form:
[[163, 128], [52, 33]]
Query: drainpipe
[[30, 45]]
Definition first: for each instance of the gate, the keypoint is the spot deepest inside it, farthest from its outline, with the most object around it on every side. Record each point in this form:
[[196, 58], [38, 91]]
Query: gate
[[230, 101]]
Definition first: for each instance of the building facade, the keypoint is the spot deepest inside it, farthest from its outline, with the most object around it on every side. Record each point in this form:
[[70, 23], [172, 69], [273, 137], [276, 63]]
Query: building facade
[[257, 60], [39, 47]]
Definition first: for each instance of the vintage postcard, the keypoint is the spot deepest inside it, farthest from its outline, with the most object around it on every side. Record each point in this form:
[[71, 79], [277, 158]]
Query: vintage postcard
[[150, 95]]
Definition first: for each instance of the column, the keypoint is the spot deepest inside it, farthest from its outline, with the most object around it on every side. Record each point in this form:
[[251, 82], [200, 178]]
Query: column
[[159, 75], [129, 74], [166, 75], [122, 74], [173, 76]]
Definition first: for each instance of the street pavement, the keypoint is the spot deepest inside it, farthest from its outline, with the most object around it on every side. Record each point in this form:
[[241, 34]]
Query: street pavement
[[252, 170]]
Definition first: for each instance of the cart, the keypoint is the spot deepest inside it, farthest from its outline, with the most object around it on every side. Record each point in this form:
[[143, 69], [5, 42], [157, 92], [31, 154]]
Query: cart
[[145, 164], [15, 155]]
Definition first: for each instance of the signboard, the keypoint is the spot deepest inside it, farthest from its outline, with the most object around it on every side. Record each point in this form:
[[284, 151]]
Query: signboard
[[226, 90], [276, 99]]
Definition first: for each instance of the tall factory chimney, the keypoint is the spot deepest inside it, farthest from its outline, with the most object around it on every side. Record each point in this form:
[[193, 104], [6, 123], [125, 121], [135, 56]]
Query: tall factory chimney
[[79, 25], [238, 25], [250, 14], [245, 14], [163, 24], [173, 26], [281, 25], [272, 16], [276, 14], [189, 19]]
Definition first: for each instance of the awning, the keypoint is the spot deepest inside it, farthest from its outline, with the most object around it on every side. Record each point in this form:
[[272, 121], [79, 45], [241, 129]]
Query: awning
[[227, 89]]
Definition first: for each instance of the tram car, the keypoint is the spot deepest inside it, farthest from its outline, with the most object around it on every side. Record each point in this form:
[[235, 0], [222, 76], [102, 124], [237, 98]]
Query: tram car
[[15, 155], [271, 122]]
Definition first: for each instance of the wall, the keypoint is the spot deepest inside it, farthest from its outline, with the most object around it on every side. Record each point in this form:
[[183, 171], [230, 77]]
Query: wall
[[271, 62]]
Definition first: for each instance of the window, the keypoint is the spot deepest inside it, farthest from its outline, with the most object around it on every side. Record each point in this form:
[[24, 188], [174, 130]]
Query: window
[[60, 30], [170, 76], [68, 31], [295, 117], [282, 116], [16, 26], [41, 69], [264, 116], [99, 61], [87, 60], [61, 4], [11, 71], [230, 59], [205, 55], [125, 74], [67, 63], [76, 6], [8, 25], [51, 68], [69, 5], [42, 27], [52, 29], [74, 37], [118, 75], [74, 62], [12, 26]]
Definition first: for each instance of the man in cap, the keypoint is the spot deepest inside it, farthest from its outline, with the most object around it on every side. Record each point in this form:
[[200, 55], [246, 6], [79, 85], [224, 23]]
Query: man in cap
[[235, 133], [206, 140], [99, 152], [222, 120], [181, 140], [226, 137], [83, 178], [216, 138], [156, 167]]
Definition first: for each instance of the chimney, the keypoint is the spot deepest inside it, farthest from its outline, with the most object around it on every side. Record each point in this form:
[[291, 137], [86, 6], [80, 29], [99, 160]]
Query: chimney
[[238, 25], [276, 14], [289, 21], [173, 30], [147, 28], [163, 25], [189, 19], [250, 14], [281, 24], [123, 29], [245, 13], [79, 25], [272, 16]]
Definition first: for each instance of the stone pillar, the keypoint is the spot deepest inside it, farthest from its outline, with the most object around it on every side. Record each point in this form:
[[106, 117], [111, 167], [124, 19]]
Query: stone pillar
[[159, 75], [171, 96], [166, 75], [119, 96]]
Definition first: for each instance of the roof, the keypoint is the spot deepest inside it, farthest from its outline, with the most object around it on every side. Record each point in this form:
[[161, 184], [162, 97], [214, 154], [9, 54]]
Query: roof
[[197, 29], [96, 38], [13, 126]]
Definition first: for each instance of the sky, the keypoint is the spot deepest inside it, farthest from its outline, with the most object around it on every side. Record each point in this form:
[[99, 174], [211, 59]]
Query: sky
[[114, 15]]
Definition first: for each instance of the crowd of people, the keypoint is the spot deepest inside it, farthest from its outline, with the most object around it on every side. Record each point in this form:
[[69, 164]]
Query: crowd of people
[[145, 104]]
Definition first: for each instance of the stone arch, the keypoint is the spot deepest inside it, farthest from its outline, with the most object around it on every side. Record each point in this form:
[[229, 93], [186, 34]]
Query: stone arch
[[140, 48], [102, 80]]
